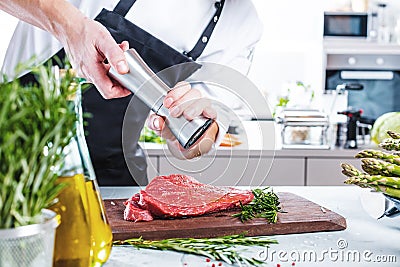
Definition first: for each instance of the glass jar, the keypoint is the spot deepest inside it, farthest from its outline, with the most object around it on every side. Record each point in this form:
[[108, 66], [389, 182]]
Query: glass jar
[[73, 236], [373, 31], [383, 26]]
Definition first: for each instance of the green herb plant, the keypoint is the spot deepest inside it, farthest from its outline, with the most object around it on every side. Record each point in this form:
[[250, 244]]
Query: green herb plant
[[264, 205], [36, 123], [220, 248], [148, 135]]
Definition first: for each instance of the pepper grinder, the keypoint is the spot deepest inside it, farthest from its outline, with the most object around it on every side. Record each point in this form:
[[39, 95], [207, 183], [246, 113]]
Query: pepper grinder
[[151, 90]]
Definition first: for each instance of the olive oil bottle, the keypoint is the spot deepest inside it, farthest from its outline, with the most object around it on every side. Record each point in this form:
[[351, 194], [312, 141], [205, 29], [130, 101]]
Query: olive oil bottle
[[101, 232], [84, 237], [73, 235], [101, 235]]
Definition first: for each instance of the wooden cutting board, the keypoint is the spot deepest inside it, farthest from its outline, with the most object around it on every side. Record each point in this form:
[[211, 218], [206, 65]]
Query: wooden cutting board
[[301, 216]]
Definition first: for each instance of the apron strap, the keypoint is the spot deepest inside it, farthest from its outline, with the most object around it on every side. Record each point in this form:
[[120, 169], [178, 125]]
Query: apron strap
[[205, 36], [123, 7]]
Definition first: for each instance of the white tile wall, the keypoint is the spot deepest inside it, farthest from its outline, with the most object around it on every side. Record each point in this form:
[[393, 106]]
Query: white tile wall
[[291, 47]]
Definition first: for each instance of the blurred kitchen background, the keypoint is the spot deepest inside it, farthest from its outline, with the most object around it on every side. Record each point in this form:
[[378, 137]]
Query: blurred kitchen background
[[291, 48], [317, 58]]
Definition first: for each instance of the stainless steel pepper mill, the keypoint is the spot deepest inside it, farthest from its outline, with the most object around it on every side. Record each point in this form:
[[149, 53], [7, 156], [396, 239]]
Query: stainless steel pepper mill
[[151, 90]]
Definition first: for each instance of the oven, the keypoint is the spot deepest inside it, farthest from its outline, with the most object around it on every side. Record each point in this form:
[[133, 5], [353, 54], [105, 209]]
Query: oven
[[377, 74]]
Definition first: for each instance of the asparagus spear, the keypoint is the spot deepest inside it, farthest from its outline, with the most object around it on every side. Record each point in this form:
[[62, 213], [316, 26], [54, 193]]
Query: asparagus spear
[[375, 167], [390, 144], [394, 192], [356, 177], [377, 180], [393, 135], [349, 170], [356, 181], [371, 153], [390, 191]]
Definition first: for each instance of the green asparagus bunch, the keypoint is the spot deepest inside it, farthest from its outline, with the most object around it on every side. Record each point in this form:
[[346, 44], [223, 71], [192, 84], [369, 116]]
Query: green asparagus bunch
[[380, 183], [381, 169]]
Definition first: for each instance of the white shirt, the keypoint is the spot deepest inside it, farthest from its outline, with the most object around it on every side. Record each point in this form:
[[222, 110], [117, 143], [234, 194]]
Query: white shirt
[[179, 23]]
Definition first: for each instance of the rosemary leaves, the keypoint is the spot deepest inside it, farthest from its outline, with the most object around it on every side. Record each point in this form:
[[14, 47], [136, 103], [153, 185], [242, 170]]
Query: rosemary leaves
[[219, 248], [264, 205]]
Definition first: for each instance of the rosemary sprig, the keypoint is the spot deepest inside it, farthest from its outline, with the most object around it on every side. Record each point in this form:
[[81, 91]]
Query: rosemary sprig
[[36, 123], [219, 248], [264, 205]]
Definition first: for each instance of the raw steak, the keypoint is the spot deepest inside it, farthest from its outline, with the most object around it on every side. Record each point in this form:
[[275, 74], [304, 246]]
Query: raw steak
[[133, 212], [180, 195]]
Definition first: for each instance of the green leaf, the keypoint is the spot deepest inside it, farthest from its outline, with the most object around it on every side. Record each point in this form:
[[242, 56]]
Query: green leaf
[[264, 205]]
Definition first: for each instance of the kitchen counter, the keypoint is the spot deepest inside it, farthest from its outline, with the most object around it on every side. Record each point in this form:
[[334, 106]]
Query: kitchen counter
[[365, 242]]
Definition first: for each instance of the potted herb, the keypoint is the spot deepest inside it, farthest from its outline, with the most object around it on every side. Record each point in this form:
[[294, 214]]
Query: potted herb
[[36, 123]]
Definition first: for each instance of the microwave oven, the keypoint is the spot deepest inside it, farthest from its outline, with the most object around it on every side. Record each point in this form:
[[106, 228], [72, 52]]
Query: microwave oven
[[346, 24]]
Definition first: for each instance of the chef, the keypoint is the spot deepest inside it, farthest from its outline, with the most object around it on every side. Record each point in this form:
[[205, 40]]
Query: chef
[[165, 33]]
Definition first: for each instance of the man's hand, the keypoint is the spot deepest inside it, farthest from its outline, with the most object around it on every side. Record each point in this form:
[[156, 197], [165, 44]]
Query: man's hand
[[182, 100], [87, 42], [88, 58]]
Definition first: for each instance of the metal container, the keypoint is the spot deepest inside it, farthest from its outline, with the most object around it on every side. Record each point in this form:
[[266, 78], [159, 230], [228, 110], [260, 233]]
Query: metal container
[[30, 245], [303, 129], [151, 90], [392, 211]]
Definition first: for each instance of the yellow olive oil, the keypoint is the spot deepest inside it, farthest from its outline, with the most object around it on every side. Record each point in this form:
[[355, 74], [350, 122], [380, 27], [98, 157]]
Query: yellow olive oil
[[73, 235], [84, 238], [100, 228]]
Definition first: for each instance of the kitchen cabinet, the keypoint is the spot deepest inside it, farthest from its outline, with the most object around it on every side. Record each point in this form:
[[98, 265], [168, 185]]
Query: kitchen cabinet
[[287, 171], [258, 167], [327, 171]]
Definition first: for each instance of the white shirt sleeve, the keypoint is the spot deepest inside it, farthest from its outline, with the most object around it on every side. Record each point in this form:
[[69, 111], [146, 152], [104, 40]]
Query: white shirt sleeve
[[32, 46]]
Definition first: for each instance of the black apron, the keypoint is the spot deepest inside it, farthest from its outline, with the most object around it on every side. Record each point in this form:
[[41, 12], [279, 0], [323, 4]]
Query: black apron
[[104, 128]]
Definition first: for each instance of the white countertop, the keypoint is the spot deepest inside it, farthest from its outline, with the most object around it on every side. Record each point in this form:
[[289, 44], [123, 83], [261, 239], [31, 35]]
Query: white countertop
[[365, 236]]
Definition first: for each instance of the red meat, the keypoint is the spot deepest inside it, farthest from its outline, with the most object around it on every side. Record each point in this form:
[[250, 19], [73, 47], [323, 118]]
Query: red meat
[[133, 212], [180, 195]]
